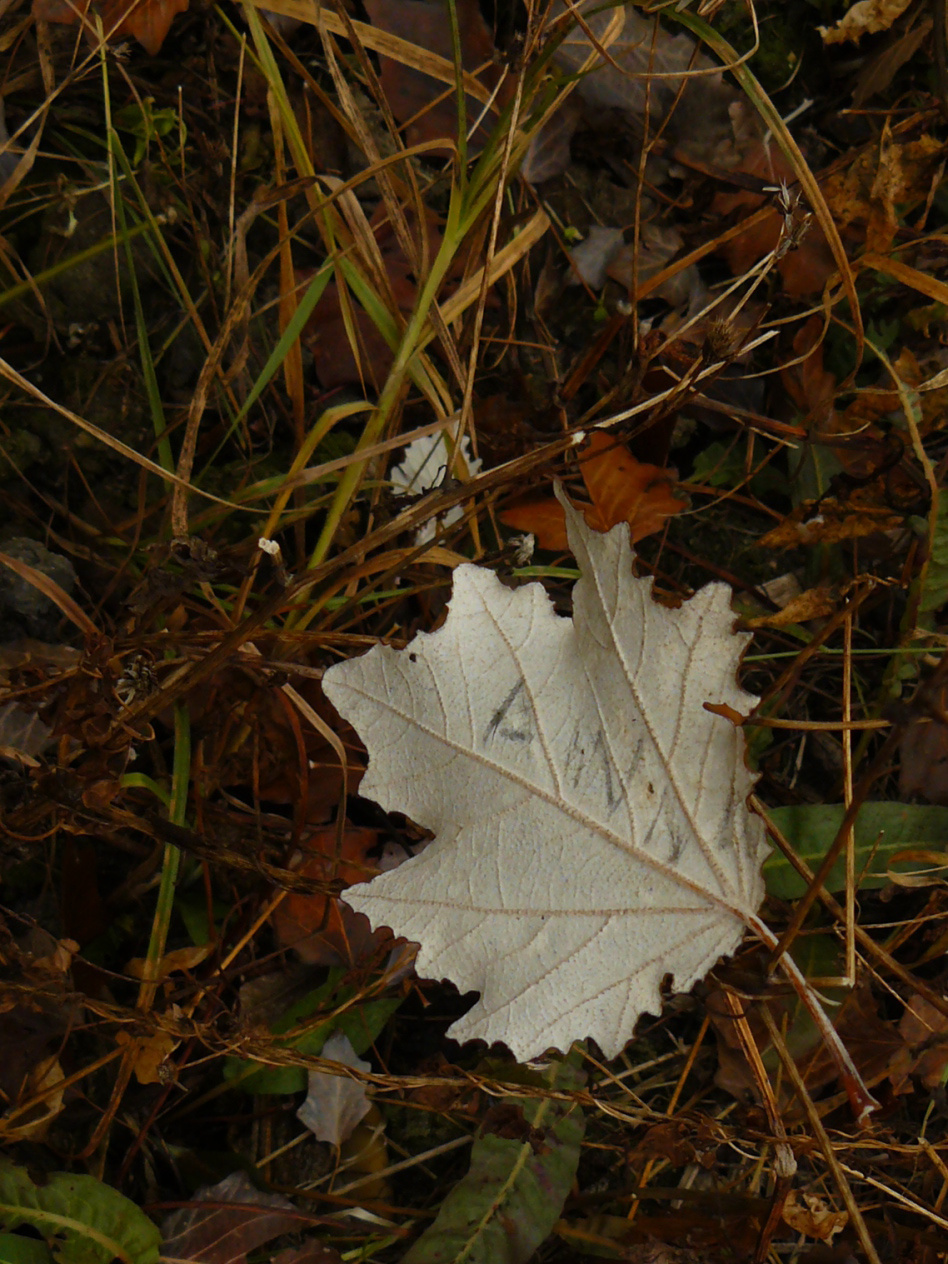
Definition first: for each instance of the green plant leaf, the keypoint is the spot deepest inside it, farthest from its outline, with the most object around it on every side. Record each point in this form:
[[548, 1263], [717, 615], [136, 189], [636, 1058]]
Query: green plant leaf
[[362, 1024], [934, 592], [17, 1249], [82, 1220], [514, 1190], [882, 829]]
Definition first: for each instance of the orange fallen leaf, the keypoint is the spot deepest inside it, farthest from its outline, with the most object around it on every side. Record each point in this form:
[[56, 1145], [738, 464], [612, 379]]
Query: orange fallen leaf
[[149, 1055], [803, 270], [621, 488], [319, 929], [148, 21]]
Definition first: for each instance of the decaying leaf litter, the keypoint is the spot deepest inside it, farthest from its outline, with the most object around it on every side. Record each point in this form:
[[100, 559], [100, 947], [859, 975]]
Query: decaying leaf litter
[[299, 342]]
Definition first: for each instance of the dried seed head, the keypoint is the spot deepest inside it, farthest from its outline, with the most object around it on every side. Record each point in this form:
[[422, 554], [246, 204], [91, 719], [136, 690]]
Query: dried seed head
[[721, 341]]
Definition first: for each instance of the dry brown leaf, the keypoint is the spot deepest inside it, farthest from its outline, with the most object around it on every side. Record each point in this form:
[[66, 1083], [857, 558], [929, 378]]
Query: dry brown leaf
[[811, 387], [206, 1232], [148, 21], [622, 489], [828, 522], [925, 1055], [812, 604], [23, 735], [149, 1054], [803, 270], [923, 753], [657, 245], [863, 194], [880, 69], [548, 153], [309, 1252], [871, 1040], [648, 73], [812, 1215], [33, 1123], [866, 17], [429, 109], [182, 959]]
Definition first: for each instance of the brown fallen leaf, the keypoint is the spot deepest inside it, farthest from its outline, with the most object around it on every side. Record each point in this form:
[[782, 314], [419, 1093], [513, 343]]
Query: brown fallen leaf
[[812, 1215], [811, 387], [423, 103], [622, 489], [871, 1040], [330, 331], [32, 1123], [880, 69], [866, 17], [148, 21], [925, 1054], [149, 1055], [308, 1252], [923, 754], [815, 603], [251, 738], [182, 959], [875, 454], [329, 337], [226, 1221], [828, 521], [863, 194], [33, 1022], [23, 735], [804, 269], [658, 79]]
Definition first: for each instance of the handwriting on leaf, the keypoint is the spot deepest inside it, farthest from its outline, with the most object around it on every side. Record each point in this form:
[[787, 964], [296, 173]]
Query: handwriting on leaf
[[621, 489], [592, 833]]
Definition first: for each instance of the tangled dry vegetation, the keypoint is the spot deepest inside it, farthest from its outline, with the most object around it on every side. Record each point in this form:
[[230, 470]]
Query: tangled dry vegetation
[[303, 309]]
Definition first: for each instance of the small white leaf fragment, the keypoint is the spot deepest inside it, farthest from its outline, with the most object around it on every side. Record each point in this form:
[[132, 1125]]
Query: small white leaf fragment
[[591, 820], [335, 1104], [424, 465]]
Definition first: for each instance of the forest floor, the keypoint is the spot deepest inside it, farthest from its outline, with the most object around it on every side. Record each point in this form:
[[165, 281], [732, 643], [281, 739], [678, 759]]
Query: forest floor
[[303, 310]]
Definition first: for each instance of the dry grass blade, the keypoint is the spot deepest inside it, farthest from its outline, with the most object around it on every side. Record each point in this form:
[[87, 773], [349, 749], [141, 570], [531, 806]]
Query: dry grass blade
[[49, 588], [378, 41], [842, 1184]]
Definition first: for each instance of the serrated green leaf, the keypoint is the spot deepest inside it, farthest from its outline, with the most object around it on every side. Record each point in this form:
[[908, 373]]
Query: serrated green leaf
[[82, 1220], [514, 1191], [882, 829]]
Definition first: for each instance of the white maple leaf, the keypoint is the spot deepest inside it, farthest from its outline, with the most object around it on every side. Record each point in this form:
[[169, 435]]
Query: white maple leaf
[[592, 831]]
